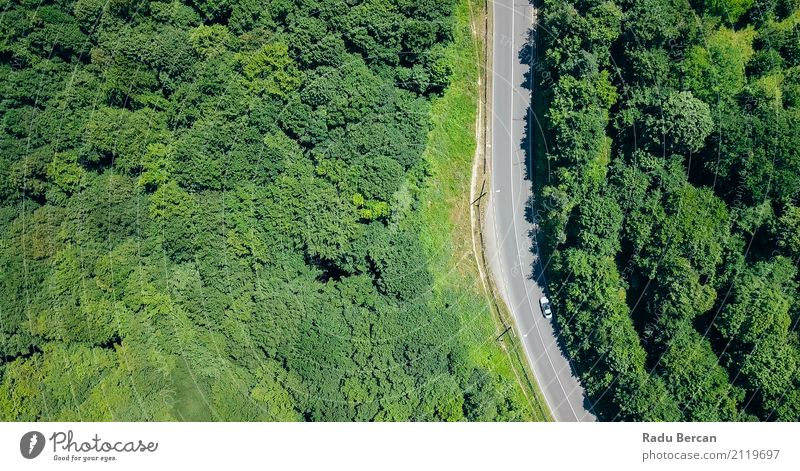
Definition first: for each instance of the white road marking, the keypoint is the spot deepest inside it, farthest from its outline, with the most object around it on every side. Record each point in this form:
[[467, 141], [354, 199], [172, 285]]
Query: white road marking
[[519, 258]]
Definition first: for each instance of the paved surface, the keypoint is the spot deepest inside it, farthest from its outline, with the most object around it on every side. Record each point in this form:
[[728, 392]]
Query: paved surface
[[507, 232]]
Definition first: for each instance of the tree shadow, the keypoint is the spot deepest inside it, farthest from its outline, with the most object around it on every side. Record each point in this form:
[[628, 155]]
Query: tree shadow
[[533, 145]]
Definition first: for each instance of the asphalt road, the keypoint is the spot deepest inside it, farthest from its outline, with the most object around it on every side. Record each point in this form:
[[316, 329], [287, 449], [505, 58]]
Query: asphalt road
[[507, 232]]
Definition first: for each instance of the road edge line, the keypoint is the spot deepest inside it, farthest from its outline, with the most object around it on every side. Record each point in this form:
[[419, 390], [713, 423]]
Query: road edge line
[[481, 171]]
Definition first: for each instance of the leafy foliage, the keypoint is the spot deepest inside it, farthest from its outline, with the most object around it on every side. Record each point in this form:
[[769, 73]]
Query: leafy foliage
[[206, 213], [670, 211]]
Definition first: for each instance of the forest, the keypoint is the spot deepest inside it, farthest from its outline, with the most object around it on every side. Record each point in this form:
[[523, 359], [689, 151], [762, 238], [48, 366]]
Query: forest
[[208, 212], [669, 205]]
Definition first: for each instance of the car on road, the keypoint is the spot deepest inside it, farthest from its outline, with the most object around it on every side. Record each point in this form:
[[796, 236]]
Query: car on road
[[544, 303]]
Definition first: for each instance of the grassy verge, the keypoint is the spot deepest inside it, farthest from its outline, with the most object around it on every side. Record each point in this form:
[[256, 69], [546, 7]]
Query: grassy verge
[[445, 216]]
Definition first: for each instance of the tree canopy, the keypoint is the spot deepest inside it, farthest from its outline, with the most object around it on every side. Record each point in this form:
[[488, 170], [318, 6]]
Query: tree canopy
[[668, 201], [206, 214]]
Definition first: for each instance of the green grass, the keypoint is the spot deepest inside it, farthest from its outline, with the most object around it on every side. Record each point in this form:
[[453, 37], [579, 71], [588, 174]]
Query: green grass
[[445, 218]]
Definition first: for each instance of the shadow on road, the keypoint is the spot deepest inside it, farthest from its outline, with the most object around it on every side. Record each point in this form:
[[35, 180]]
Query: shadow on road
[[537, 172]]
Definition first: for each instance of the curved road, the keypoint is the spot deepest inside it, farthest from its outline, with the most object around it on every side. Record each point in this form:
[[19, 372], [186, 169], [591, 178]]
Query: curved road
[[507, 232]]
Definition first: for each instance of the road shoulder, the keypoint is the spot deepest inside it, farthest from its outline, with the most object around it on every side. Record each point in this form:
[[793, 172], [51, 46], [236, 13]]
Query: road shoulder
[[480, 221]]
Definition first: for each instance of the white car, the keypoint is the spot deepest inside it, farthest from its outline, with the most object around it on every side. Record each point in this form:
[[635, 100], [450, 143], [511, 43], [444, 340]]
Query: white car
[[544, 303]]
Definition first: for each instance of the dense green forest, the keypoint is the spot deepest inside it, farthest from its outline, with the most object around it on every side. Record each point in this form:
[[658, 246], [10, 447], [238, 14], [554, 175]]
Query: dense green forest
[[671, 207], [207, 212]]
